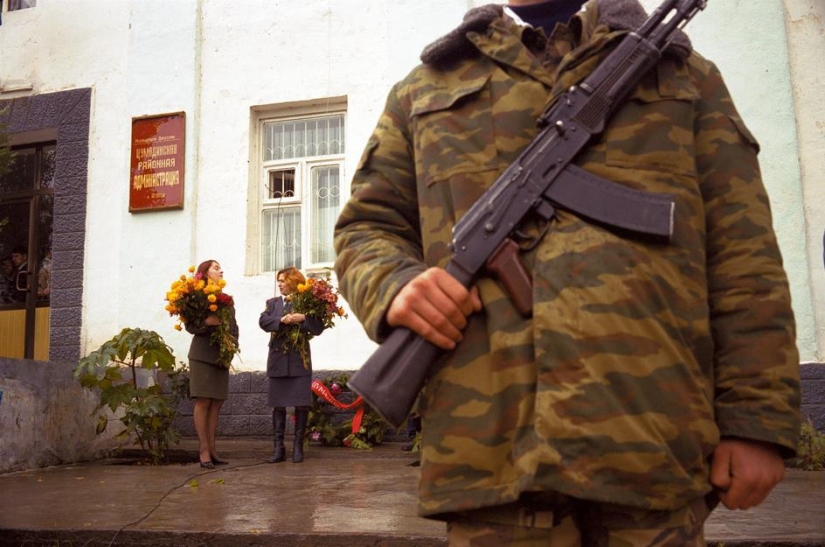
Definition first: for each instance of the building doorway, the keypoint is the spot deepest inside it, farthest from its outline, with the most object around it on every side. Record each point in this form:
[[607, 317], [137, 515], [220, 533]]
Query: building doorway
[[26, 220]]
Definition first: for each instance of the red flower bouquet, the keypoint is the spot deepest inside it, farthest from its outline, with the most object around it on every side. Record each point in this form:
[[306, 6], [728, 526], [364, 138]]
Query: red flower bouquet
[[314, 298]]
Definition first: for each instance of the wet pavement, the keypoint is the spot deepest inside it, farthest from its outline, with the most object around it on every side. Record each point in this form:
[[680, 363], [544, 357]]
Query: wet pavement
[[337, 497]]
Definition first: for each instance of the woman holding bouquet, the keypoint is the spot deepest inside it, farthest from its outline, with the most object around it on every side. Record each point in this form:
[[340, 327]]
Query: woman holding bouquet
[[208, 378], [289, 365]]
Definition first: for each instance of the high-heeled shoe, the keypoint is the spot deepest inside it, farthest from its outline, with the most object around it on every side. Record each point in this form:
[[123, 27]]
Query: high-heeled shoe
[[207, 465], [217, 461]]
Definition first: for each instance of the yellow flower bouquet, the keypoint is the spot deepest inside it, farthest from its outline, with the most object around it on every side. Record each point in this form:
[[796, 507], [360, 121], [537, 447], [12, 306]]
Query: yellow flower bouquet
[[314, 298], [191, 298]]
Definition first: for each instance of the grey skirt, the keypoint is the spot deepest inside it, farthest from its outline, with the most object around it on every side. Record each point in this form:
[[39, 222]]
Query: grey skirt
[[289, 391], [208, 380]]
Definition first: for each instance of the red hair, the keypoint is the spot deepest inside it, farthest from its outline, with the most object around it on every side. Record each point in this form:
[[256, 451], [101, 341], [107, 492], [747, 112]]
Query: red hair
[[292, 277]]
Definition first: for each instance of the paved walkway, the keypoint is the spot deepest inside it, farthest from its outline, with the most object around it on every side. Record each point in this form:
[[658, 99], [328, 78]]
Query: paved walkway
[[337, 497]]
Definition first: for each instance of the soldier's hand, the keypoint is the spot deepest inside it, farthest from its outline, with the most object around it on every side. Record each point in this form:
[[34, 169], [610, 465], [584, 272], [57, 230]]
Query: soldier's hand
[[745, 472], [435, 306]]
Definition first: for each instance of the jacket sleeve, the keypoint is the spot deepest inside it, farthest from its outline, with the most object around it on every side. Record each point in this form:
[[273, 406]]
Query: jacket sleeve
[[313, 325], [377, 236], [756, 363], [270, 319]]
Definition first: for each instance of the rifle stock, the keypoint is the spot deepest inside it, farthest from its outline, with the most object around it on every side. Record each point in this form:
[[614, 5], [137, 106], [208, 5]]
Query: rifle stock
[[389, 381]]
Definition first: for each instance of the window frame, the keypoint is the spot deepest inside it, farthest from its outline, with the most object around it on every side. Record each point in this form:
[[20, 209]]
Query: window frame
[[23, 5], [260, 171]]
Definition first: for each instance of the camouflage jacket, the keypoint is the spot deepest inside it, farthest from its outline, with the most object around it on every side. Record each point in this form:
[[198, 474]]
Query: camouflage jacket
[[639, 356]]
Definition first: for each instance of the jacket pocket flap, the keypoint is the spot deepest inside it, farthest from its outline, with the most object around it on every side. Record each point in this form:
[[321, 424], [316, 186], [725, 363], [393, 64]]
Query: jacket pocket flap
[[442, 98]]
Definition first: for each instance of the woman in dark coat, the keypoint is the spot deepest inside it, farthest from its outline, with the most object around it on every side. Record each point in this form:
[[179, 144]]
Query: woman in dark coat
[[208, 381], [290, 375]]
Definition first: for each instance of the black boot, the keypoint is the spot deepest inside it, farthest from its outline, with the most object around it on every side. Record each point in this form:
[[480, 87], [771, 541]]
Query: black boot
[[301, 417], [279, 426]]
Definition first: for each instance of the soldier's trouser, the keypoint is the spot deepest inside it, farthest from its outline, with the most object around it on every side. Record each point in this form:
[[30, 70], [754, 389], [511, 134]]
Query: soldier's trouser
[[576, 523]]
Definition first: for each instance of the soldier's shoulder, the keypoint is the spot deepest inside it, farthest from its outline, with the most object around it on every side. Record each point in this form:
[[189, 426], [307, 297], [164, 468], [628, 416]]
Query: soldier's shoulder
[[703, 72], [454, 46]]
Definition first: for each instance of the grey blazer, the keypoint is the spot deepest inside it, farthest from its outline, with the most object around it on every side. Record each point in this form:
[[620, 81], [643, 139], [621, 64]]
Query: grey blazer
[[201, 348]]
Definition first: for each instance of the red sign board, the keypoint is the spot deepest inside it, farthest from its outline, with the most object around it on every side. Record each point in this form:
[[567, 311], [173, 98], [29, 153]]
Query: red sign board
[[156, 180]]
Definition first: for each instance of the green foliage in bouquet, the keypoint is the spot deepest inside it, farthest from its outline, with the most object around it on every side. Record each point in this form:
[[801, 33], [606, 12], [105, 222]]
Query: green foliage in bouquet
[[192, 298], [146, 412], [323, 426], [316, 297]]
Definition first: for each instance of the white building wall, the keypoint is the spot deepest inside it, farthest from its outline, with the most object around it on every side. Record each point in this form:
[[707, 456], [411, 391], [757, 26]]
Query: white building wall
[[218, 60], [805, 27], [276, 52]]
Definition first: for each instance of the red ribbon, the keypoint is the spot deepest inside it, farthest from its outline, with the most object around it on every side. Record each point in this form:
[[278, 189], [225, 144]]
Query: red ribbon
[[319, 389]]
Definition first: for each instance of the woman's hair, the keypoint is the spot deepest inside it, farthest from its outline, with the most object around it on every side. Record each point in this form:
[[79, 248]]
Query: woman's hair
[[203, 268], [292, 277]]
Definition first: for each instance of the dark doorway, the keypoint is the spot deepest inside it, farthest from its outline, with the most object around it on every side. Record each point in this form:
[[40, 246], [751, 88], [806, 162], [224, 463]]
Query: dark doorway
[[26, 220]]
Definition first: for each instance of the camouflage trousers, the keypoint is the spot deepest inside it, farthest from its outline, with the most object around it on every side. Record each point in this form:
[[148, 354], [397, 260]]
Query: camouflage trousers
[[576, 523]]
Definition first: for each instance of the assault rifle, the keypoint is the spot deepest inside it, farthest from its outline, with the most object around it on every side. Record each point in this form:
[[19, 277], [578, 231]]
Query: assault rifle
[[540, 179]]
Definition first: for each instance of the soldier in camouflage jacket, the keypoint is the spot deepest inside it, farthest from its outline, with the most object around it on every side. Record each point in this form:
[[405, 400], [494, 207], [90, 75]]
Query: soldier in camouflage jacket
[[649, 373]]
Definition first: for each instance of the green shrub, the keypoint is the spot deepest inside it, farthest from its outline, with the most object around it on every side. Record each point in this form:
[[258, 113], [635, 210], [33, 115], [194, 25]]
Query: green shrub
[[145, 412], [811, 453]]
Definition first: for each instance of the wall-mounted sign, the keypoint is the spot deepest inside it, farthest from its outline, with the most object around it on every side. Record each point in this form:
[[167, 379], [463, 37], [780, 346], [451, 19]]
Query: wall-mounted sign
[[156, 179]]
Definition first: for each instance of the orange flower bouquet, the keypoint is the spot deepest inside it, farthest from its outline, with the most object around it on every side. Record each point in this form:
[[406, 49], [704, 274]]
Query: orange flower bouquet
[[314, 298], [191, 298]]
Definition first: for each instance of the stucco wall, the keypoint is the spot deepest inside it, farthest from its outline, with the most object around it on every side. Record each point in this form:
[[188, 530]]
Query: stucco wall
[[42, 416], [805, 27]]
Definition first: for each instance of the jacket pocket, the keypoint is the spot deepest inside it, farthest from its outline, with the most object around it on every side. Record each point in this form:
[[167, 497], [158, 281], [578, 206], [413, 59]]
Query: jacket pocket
[[453, 129], [653, 130]]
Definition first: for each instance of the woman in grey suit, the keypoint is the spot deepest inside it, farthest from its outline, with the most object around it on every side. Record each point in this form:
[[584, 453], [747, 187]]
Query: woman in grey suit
[[208, 381], [290, 375]]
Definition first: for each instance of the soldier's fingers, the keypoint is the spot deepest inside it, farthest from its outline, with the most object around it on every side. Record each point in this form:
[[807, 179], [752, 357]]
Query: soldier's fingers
[[426, 320], [720, 468], [465, 301], [745, 495], [436, 296], [475, 299], [754, 483], [421, 307], [736, 496], [754, 469], [429, 332]]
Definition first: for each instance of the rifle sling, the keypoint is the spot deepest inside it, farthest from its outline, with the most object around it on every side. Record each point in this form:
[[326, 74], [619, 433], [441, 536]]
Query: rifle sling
[[613, 204]]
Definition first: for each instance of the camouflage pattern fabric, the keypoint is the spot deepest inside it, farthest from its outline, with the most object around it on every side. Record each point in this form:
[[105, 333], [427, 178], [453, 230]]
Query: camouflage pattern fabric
[[576, 523], [640, 355]]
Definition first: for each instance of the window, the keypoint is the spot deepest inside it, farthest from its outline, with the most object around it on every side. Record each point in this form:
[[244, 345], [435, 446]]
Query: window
[[302, 163], [15, 5]]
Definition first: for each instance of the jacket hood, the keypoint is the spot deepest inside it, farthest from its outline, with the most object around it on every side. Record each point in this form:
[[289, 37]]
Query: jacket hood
[[615, 14]]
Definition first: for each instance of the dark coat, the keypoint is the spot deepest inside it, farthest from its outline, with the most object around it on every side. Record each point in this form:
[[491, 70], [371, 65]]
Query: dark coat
[[285, 361], [201, 348]]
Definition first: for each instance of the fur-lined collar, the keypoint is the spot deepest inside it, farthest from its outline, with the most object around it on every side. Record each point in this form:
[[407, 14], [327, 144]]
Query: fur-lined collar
[[616, 14]]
